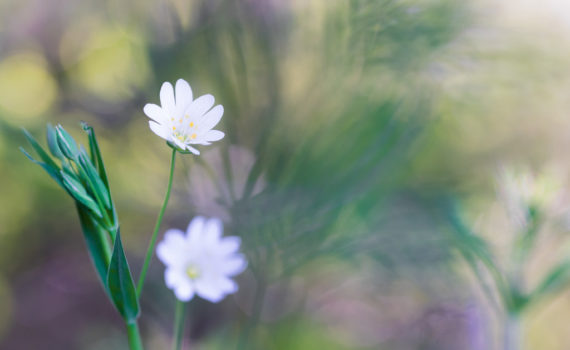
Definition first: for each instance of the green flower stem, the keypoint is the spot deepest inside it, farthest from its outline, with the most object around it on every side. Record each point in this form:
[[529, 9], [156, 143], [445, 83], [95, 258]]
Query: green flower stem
[[135, 342], [179, 324], [150, 251], [513, 334]]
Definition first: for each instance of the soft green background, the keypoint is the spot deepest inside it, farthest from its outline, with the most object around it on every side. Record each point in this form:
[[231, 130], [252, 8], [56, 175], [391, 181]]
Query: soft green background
[[348, 123]]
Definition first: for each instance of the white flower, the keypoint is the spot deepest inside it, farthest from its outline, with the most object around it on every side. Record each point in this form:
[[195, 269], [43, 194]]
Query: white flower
[[201, 261], [184, 121]]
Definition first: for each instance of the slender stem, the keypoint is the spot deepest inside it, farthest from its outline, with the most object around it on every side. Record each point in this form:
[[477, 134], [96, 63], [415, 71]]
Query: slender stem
[[150, 251], [179, 324], [513, 334], [259, 297], [135, 342]]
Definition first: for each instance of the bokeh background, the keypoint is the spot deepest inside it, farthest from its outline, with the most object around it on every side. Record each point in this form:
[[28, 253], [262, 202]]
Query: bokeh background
[[351, 125]]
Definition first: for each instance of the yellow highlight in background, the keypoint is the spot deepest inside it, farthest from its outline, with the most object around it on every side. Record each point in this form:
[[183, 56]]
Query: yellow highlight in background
[[27, 89]]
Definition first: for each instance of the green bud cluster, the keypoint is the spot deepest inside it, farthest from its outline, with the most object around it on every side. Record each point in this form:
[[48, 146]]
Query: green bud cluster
[[82, 175]]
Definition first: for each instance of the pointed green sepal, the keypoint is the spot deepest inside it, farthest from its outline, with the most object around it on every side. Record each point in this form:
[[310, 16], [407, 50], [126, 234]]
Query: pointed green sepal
[[177, 149]]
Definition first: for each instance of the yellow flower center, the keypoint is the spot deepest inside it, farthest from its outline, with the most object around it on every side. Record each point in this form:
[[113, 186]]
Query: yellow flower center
[[192, 272]]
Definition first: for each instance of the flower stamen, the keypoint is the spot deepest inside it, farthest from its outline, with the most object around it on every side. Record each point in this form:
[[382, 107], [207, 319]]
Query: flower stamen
[[192, 272]]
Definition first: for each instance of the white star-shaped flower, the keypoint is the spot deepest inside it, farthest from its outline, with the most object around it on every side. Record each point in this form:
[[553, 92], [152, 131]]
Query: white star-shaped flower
[[201, 261], [183, 121]]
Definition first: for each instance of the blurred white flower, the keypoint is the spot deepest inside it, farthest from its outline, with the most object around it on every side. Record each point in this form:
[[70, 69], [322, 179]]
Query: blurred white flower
[[201, 261], [522, 190], [515, 190], [183, 121]]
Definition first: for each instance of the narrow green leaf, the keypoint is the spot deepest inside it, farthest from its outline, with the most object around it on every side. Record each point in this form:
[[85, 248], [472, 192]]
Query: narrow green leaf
[[66, 143], [121, 285], [97, 244], [52, 142], [96, 153], [473, 247], [78, 192], [54, 173], [97, 160], [556, 280], [99, 186], [39, 150]]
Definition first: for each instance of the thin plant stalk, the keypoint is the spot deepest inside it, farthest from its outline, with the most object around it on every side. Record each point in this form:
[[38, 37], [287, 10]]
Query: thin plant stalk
[[135, 342], [152, 244], [513, 334], [259, 297], [179, 317]]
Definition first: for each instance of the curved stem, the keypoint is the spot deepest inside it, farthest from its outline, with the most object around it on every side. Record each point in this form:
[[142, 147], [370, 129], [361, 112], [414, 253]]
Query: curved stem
[[135, 342], [150, 250], [179, 325]]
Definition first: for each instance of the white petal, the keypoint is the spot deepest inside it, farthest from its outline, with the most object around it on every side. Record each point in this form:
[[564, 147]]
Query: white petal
[[227, 285], [234, 265], [200, 141], [184, 291], [213, 231], [209, 291], [229, 245], [212, 118], [193, 150], [213, 135], [171, 249], [155, 113], [179, 143], [200, 106], [183, 95], [194, 230], [160, 130], [173, 236], [167, 98], [174, 278]]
